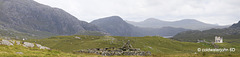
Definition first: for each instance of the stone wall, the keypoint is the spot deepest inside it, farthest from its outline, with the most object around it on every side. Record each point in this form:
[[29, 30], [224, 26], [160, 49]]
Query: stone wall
[[115, 51], [127, 49]]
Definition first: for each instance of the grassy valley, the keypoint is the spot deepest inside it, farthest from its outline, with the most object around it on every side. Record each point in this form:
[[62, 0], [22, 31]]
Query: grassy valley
[[159, 46], [61, 34]]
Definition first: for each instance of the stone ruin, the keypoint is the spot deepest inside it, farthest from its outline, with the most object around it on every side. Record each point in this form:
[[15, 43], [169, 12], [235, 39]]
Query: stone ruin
[[126, 49]]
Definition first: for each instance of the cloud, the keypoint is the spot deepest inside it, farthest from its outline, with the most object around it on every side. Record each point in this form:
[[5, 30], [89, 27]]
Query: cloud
[[223, 12]]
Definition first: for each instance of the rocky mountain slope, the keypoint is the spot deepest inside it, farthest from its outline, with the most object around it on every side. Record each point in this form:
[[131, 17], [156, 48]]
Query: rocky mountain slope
[[116, 26], [185, 23], [31, 17], [237, 25]]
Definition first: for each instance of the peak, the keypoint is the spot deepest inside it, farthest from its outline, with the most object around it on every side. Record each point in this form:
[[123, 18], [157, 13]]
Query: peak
[[151, 19], [115, 16], [188, 20], [111, 18]]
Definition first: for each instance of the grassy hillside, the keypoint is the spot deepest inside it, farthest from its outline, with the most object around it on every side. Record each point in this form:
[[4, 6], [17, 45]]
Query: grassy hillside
[[159, 46], [20, 51]]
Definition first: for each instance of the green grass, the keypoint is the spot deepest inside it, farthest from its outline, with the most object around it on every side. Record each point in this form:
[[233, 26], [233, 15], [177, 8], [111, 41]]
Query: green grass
[[64, 46], [159, 46], [10, 51]]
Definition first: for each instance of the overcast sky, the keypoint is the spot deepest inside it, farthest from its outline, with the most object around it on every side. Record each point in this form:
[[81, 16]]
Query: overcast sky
[[222, 12]]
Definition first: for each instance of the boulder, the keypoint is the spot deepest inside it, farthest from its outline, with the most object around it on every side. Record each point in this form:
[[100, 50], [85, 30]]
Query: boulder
[[19, 52], [27, 44], [42, 47], [6, 42], [77, 37]]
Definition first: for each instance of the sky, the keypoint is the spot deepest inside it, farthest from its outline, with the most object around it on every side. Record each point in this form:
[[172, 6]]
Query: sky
[[221, 12]]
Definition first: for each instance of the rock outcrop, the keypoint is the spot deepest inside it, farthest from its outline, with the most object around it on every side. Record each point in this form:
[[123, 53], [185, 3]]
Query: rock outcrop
[[25, 44]]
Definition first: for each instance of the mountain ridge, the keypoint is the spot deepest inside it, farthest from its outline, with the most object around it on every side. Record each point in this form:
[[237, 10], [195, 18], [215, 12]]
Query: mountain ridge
[[185, 23], [232, 32], [116, 26]]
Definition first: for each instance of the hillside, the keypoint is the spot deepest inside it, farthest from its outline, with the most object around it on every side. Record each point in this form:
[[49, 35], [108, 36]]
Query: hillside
[[28, 16], [17, 50], [116, 26], [185, 23], [159, 46], [230, 33]]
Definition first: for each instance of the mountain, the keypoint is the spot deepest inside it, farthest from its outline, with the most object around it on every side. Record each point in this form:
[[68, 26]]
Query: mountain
[[31, 17], [116, 26], [185, 23], [231, 33], [237, 25]]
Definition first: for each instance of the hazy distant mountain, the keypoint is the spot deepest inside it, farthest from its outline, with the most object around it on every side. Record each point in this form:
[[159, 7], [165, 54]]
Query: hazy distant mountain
[[116, 26], [31, 17], [232, 32], [185, 23]]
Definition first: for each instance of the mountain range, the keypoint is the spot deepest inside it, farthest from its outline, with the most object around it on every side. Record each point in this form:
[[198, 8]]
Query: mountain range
[[37, 20], [185, 23], [29, 19], [233, 32], [116, 26]]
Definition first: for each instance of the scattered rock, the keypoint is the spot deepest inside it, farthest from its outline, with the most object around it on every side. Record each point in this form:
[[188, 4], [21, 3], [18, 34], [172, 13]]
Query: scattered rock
[[19, 52], [149, 47], [42, 47], [25, 44], [77, 37]]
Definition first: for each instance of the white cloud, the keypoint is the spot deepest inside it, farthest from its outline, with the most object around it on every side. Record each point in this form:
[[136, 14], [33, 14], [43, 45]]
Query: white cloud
[[223, 12]]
